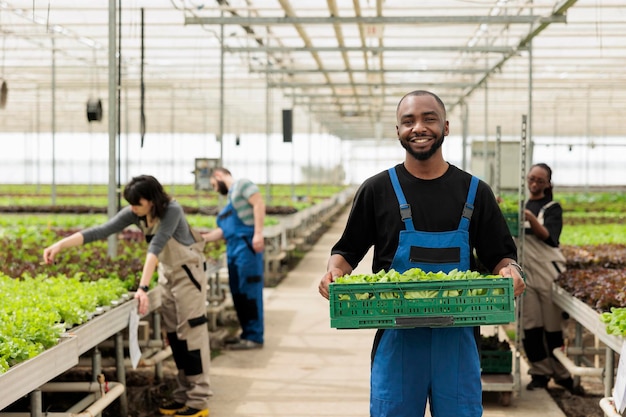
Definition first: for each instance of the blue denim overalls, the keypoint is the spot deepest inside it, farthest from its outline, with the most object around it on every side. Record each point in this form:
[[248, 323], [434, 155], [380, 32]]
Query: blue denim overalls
[[440, 364], [245, 273]]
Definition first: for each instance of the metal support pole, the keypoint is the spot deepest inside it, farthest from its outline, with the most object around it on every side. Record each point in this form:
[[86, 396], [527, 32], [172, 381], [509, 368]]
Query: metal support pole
[[578, 341], [121, 371], [498, 152], [36, 403], [464, 124], [522, 191], [156, 335], [96, 364], [53, 127], [309, 167], [268, 134], [609, 372], [528, 159], [112, 196], [221, 132]]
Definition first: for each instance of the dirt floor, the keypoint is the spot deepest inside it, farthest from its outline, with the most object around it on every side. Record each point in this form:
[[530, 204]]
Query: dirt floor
[[587, 405]]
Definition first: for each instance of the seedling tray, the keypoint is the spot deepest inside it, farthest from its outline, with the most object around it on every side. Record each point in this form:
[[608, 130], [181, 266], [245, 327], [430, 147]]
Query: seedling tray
[[512, 220], [496, 361], [381, 305]]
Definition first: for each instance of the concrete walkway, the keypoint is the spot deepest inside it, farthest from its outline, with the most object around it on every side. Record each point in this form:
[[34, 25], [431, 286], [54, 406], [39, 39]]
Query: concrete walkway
[[308, 369]]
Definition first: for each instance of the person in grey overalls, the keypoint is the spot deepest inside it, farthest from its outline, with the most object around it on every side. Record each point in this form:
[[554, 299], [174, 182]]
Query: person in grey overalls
[[240, 224], [176, 251], [429, 214], [542, 320]]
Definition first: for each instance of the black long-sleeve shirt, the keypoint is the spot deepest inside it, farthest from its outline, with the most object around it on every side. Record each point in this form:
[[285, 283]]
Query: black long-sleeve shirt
[[436, 206]]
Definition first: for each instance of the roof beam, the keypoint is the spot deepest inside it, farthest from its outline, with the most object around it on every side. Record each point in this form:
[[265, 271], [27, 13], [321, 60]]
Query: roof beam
[[374, 49], [403, 84], [559, 11], [293, 71], [373, 20]]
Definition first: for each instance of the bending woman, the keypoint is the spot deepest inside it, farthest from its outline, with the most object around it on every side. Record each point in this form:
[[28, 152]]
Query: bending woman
[[179, 253]]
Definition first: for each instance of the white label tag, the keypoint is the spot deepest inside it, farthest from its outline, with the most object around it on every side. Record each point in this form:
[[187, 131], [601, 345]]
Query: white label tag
[[133, 338], [619, 392]]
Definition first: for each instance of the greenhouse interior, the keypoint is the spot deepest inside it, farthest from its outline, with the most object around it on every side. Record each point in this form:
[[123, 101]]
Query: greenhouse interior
[[300, 98]]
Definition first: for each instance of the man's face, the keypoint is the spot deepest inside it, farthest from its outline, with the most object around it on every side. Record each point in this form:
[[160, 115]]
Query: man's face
[[219, 186], [421, 126]]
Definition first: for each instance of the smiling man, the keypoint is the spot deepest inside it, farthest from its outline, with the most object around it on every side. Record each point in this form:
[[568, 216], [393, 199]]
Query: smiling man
[[429, 214]]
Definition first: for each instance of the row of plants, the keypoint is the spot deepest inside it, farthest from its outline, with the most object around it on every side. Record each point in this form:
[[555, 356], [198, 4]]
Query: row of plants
[[76, 286], [21, 251], [36, 310], [593, 241], [187, 190], [25, 198], [23, 237], [39, 301], [577, 203]]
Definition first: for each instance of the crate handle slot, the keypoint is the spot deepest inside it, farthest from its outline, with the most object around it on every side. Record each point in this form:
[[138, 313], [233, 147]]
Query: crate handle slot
[[434, 321]]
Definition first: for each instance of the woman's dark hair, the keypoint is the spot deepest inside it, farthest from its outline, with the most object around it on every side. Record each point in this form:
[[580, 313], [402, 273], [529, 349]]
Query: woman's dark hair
[[148, 187], [548, 191]]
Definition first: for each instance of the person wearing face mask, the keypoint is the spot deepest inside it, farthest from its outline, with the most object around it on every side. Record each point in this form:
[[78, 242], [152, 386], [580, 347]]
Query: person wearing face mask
[[177, 252], [429, 214], [240, 224], [542, 320]]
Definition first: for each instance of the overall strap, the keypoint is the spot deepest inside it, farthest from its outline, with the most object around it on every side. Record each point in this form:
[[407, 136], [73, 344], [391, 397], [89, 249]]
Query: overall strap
[[468, 210], [405, 209], [543, 210]]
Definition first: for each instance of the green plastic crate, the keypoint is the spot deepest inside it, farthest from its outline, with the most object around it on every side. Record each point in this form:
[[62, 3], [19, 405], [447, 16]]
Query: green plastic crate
[[496, 361], [374, 306], [512, 220]]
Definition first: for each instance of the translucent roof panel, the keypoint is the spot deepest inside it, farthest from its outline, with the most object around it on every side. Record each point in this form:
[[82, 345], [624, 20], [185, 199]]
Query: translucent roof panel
[[206, 66]]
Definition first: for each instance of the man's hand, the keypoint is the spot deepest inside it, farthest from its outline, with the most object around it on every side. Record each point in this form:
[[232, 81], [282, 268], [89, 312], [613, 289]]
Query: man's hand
[[327, 279], [510, 271], [258, 242]]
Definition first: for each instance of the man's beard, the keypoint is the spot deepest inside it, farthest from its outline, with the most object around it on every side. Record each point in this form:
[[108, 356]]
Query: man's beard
[[423, 156], [222, 188]]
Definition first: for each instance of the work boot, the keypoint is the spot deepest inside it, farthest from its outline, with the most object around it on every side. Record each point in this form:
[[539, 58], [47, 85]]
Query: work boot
[[537, 381], [191, 412], [245, 344], [568, 384], [231, 340], [170, 408]]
